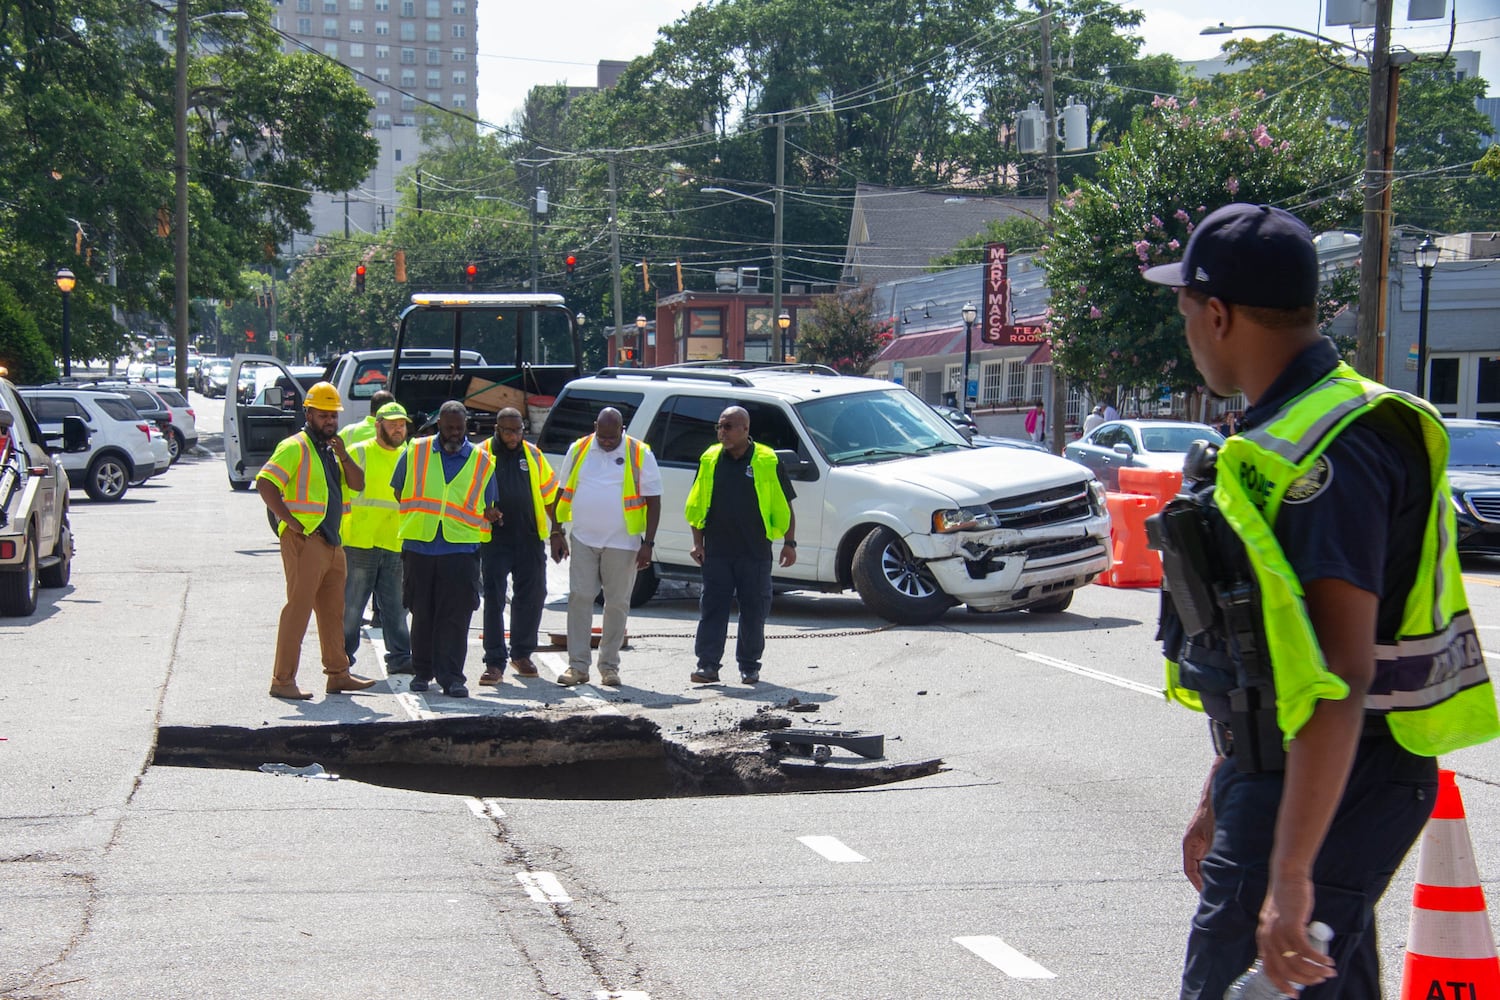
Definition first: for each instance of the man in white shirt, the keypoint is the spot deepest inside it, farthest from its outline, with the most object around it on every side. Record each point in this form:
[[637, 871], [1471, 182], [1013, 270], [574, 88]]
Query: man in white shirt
[[611, 495], [1094, 419], [1110, 413]]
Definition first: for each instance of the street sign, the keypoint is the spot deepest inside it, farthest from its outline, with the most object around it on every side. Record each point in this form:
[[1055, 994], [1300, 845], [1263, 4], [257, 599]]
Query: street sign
[[274, 336], [1411, 359], [898, 371]]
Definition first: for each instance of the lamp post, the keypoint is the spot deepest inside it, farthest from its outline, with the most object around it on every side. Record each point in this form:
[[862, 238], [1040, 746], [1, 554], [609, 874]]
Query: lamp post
[[66, 281], [970, 314], [776, 346], [783, 323], [640, 340], [1426, 257]]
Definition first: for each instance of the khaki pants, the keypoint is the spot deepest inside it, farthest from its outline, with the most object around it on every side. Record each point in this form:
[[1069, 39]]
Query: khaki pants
[[589, 571], [315, 573]]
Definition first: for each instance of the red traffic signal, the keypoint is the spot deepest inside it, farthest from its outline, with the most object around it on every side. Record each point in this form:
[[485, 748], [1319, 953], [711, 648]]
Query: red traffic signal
[[359, 278], [470, 273], [570, 262]]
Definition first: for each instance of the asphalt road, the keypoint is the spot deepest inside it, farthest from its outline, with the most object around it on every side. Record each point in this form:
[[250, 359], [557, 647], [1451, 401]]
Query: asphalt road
[[1043, 861]]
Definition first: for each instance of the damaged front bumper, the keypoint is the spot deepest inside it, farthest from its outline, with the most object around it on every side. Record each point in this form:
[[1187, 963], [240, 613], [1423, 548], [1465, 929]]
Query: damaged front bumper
[[1007, 568]]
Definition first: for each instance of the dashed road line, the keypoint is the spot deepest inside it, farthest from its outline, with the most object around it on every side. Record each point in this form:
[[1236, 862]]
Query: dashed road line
[[1092, 674], [832, 848], [485, 808], [543, 887], [1003, 957]]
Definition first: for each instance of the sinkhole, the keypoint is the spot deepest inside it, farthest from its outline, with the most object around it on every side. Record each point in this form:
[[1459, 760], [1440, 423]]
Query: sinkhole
[[528, 756]]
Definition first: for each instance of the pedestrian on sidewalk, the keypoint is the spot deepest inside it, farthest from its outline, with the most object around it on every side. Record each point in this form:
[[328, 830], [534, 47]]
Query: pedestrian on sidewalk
[[740, 503], [1036, 421], [612, 498], [372, 541], [517, 549], [304, 486], [446, 490]]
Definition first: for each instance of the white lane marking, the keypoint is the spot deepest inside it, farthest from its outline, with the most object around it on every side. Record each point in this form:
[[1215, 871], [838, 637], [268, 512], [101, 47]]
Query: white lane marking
[[1487, 626], [543, 887], [1003, 957], [415, 706], [485, 808], [1091, 673], [476, 807], [832, 848], [586, 692]]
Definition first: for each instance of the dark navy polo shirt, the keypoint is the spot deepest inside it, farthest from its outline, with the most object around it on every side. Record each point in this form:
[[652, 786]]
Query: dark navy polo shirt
[[734, 528]]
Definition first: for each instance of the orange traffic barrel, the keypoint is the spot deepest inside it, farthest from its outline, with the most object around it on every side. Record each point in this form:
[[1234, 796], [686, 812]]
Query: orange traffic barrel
[[1164, 484], [1132, 562]]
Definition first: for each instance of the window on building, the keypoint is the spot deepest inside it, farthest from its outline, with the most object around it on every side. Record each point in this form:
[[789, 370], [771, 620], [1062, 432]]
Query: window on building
[[356, 5], [398, 155], [331, 49], [408, 57], [278, 22], [330, 27], [434, 57], [408, 103], [991, 382], [408, 78], [356, 26], [408, 8], [460, 101], [459, 30], [382, 27], [357, 50], [434, 78], [382, 5], [330, 6], [382, 121], [408, 32], [1015, 381], [382, 98], [304, 6], [459, 8], [434, 8], [460, 78], [953, 380], [460, 54], [434, 98], [304, 25], [434, 32], [382, 52], [913, 380], [409, 121], [1038, 380]]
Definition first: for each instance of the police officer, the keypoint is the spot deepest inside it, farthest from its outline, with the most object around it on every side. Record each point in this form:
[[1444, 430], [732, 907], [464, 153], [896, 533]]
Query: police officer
[[1334, 500]]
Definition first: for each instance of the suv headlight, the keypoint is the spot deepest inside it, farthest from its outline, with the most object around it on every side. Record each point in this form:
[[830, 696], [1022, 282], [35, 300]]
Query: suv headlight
[[945, 522], [1097, 499]]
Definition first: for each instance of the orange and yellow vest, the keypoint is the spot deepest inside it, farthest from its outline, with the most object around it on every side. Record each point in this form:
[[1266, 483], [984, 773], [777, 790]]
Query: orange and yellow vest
[[427, 501], [300, 476], [635, 504]]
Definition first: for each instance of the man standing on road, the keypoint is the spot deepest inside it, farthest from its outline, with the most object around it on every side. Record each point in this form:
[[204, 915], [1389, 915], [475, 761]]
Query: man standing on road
[[372, 541], [612, 497], [446, 490], [303, 485], [517, 549], [739, 504], [364, 430], [1304, 630]]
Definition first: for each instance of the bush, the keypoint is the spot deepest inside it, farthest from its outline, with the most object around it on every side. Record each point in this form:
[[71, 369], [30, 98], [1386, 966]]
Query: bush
[[23, 352]]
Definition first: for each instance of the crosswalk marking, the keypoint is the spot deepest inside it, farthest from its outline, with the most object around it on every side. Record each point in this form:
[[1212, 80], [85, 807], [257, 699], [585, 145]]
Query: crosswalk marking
[[485, 808], [833, 849], [1003, 957]]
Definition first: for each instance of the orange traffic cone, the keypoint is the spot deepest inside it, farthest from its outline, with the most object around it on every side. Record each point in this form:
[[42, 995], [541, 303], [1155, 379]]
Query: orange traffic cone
[[1450, 948]]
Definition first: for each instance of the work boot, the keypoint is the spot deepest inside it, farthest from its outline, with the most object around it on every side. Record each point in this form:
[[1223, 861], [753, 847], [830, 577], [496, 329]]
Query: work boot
[[609, 676], [523, 667], [346, 682], [573, 676], [290, 692], [491, 677], [704, 676]]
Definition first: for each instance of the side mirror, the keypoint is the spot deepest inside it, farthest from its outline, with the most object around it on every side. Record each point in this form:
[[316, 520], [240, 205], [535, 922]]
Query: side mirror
[[75, 435], [274, 396], [1123, 450], [797, 468]]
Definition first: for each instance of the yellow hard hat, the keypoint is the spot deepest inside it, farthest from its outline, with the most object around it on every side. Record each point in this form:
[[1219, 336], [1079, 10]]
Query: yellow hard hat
[[323, 396]]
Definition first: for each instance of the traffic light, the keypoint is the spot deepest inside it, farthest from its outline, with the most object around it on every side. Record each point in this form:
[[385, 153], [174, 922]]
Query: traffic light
[[627, 355], [359, 279], [470, 273], [570, 262]]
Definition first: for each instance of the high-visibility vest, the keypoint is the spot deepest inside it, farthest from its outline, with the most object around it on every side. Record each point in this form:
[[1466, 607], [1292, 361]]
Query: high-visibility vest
[[634, 503], [358, 433], [427, 501], [298, 472], [775, 512], [543, 481], [1430, 682], [373, 520]]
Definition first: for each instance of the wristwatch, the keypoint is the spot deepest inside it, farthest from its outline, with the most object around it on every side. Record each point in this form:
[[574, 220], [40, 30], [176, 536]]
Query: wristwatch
[[790, 543]]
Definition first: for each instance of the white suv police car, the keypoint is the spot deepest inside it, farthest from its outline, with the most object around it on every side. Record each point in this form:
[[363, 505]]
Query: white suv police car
[[892, 501]]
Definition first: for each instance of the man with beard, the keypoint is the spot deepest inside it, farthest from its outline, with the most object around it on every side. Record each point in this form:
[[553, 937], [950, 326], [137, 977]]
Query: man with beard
[[303, 485], [372, 541], [445, 488]]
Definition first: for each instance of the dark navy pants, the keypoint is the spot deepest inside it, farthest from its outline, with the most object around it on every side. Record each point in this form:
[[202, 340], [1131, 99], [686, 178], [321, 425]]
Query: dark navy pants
[[526, 567], [442, 594], [1390, 794], [724, 579]]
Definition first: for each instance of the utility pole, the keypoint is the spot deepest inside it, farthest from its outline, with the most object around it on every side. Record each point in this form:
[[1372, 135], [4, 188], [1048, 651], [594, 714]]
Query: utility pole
[[419, 190], [614, 251], [346, 215], [777, 353], [1057, 409], [180, 169], [1375, 241]]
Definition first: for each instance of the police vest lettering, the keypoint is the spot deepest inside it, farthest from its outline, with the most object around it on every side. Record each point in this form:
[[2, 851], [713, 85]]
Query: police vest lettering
[[539, 473], [634, 503], [1430, 682], [298, 472], [775, 512], [427, 501]]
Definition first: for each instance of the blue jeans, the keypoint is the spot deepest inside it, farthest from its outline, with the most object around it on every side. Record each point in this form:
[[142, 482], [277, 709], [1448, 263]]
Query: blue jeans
[[724, 579], [377, 572], [526, 567]]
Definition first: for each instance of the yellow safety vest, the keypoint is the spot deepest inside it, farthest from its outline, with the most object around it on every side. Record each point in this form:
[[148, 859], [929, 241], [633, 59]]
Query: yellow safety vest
[[775, 512], [543, 481], [358, 433], [635, 504], [373, 520], [1430, 683], [302, 480], [428, 502]]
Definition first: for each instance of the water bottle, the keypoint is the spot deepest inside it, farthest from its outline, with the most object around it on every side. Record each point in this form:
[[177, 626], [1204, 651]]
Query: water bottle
[[1256, 985]]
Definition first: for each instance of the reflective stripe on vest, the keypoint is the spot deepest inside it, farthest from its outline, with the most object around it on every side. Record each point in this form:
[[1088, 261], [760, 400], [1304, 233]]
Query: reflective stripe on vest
[[775, 512], [631, 499], [427, 501], [543, 491], [374, 517], [304, 492], [1430, 679]]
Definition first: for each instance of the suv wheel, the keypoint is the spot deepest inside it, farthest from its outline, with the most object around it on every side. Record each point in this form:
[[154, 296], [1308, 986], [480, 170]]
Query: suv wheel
[[19, 587], [893, 584], [174, 444], [107, 478]]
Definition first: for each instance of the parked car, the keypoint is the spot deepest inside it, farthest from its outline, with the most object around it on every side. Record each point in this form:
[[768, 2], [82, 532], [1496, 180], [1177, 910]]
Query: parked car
[[987, 441], [891, 500], [119, 452], [958, 418], [1144, 444], [36, 540], [1474, 477], [184, 426]]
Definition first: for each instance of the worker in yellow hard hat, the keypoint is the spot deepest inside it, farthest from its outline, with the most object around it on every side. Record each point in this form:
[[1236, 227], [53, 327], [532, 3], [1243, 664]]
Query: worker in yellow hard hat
[[304, 484]]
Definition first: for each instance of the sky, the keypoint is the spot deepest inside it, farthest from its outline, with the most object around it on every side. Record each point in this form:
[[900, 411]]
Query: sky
[[522, 45]]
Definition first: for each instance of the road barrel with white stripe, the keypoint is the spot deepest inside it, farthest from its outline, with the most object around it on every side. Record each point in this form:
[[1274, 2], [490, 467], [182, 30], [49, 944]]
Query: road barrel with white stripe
[[1450, 945]]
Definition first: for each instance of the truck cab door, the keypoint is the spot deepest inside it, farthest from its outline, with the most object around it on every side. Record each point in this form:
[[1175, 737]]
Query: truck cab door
[[262, 407]]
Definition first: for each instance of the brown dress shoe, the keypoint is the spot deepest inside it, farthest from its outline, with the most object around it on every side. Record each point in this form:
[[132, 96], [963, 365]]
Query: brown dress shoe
[[345, 682], [491, 677], [291, 692], [523, 668]]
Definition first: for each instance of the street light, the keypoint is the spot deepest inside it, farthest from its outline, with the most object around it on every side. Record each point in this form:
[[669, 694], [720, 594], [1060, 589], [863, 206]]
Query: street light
[[970, 314], [783, 323], [1228, 29], [1426, 258], [776, 347], [640, 340], [180, 167], [65, 283]]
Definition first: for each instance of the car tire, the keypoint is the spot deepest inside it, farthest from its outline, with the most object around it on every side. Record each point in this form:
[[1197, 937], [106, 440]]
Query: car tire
[[893, 585], [107, 479], [19, 588], [60, 572], [174, 444], [239, 485], [1052, 605]]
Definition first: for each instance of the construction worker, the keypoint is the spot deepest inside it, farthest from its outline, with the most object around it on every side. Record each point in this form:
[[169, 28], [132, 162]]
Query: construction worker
[[1316, 614], [446, 491], [612, 499], [517, 549], [304, 486], [372, 541], [364, 430]]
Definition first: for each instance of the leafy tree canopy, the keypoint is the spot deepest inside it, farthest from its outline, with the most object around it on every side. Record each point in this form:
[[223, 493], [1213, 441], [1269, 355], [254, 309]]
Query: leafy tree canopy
[[843, 332]]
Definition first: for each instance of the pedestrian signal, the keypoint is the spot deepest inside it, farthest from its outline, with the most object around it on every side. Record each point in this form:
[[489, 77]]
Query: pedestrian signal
[[470, 273], [359, 279], [570, 262]]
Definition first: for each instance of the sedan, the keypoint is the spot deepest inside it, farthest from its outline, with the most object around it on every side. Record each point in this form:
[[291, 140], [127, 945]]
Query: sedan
[[1474, 476], [958, 418], [1145, 444]]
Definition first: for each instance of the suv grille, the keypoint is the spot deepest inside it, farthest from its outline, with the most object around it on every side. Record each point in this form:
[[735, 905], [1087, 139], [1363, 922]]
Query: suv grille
[[1486, 506], [1038, 510]]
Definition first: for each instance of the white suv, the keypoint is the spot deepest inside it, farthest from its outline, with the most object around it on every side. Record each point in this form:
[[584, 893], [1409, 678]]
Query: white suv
[[892, 501], [120, 452]]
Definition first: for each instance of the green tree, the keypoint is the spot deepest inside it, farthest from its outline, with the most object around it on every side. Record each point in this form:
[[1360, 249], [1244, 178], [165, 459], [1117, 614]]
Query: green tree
[[1018, 233], [843, 332], [23, 353]]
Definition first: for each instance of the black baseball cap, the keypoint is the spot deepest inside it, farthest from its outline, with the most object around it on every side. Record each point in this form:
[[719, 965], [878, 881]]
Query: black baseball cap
[[1248, 255]]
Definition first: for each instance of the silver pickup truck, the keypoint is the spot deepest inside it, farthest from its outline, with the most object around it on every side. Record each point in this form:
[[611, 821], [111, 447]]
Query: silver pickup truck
[[36, 541]]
